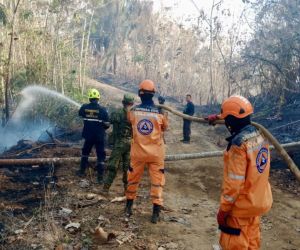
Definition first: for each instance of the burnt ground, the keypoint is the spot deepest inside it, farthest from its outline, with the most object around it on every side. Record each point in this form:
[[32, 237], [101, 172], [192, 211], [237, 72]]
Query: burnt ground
[[282, 118], [32, 198]]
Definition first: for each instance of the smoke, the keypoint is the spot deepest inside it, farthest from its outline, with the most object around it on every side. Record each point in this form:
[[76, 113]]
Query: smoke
[[40, 109], [22, 130]]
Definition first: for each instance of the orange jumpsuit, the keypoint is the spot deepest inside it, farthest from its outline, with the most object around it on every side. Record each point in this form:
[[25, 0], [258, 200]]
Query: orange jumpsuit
[[147, 148], [246, 192]]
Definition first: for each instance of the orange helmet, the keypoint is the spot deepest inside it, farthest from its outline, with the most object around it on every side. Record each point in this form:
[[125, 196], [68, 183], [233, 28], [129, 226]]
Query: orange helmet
[[237, 106], [147, 85]]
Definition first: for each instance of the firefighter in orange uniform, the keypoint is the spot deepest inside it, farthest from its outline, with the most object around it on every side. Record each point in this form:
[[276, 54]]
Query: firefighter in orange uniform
[[147, 148], [246, 192]]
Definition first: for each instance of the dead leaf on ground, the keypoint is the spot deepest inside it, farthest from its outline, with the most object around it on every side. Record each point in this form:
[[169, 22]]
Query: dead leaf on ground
[[101, 236], [119, 199]]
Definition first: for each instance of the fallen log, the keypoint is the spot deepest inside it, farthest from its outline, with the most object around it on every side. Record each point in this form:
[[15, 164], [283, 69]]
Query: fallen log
[[281, 151], [177, 157], [36, 161]]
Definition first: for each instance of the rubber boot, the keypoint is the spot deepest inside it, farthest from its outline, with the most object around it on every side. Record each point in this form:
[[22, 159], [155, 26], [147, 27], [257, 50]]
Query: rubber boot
[[83, 164], [155, 215], [128, 208]]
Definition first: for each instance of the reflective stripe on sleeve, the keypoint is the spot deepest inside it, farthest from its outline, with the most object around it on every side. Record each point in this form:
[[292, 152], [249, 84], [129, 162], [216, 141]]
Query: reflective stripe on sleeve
[[236, 177], [228, 198], [92, 120]]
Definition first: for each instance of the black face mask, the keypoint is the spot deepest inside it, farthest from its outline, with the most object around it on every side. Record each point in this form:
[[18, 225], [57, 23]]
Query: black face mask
[[94, 100], [146, 96], [234, 125]]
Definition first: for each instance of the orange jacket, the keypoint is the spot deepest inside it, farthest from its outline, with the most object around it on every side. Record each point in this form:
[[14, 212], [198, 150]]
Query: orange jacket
[[148, 124], [246, 189]]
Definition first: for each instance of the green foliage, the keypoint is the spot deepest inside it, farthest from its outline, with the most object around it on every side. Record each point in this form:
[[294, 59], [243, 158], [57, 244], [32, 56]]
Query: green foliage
[[54, 6], [274, 50], [75, 93], [64, 115], [33, 73], [27, 15], [19, 80], [3, 15], [138, 58]]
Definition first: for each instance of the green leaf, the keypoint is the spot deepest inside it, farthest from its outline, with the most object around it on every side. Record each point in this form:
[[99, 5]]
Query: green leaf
[[3, 15]]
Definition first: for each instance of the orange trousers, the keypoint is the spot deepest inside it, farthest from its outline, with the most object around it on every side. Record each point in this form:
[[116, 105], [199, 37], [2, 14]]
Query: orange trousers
[[157, 177], [249, 239]]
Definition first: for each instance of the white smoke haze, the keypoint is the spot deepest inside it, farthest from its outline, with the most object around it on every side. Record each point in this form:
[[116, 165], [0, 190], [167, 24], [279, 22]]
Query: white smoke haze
[[39, 110], [18, 130]]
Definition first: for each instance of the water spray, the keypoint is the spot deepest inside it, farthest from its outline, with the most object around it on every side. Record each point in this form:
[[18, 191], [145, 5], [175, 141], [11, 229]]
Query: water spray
[[21, 127]]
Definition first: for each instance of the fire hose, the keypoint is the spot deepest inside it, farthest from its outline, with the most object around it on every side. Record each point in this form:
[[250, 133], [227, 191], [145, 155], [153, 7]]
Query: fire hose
[[276, 145], [279, 148], [175, 157]]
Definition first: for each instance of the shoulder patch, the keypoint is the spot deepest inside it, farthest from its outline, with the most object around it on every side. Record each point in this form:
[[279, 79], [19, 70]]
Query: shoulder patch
[[262, 159]]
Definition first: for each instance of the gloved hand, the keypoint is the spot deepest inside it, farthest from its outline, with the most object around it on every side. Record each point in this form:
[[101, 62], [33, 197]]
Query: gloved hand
[[221, 217], [212, 118], [161, 100]]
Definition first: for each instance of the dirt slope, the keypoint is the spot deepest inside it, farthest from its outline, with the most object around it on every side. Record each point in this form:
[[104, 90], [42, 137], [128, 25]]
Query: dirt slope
[[188, 221]]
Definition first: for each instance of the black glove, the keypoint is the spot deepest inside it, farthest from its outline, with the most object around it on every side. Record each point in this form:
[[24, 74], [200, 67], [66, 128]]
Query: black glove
[[161, 100]]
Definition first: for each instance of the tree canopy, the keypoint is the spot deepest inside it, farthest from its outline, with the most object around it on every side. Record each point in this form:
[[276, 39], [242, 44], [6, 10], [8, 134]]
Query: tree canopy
[[59, 43]]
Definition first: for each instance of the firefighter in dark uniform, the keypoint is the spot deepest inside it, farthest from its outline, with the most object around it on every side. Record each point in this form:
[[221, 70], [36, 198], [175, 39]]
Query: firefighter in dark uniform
[[188, 110], [96, 121]]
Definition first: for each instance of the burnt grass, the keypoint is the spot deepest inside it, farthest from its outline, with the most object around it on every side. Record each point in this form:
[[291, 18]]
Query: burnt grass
[[23, 188], [269, 110]]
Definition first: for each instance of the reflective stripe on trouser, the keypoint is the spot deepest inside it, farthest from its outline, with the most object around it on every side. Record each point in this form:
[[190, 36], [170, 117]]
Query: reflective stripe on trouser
[[157, 177], [249, 239], [120, 154]]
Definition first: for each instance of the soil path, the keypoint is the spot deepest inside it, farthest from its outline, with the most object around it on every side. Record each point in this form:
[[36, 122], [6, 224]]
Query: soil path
[[191, 196]]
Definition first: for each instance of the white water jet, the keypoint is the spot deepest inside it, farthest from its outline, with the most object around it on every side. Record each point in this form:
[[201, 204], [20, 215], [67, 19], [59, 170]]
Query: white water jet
[[32, 93], [20, 127]]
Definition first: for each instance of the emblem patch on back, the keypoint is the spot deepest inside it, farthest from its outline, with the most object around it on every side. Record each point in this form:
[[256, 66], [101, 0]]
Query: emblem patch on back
[[262, 159], [145, 127]]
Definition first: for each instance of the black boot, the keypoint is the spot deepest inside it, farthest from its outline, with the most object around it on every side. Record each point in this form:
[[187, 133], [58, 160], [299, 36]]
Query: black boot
[[155, 215], [83, 164], [128, 208]]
